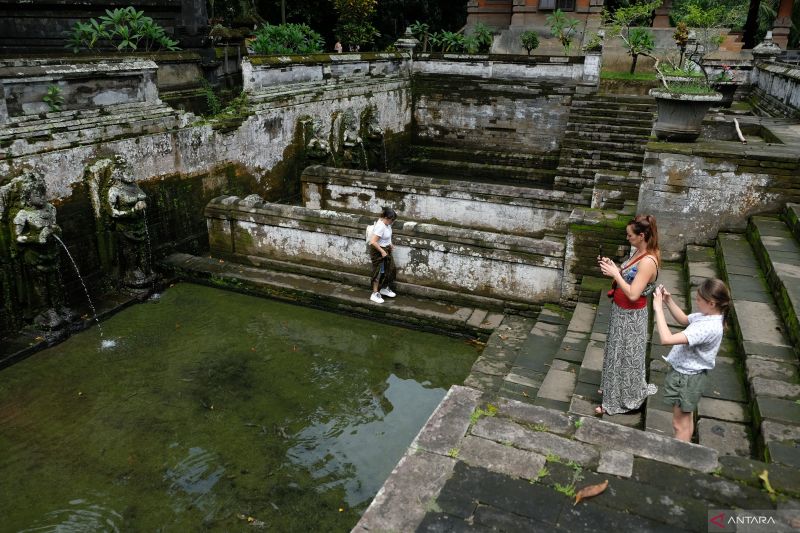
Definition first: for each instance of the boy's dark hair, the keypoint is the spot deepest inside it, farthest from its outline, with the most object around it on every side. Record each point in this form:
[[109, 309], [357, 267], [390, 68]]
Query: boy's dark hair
[[389, 213], [714, 290]]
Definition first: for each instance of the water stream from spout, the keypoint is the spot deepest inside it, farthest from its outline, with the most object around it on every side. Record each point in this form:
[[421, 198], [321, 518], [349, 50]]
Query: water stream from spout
[[364, 154], [149, 249], [385, 157], [85, 290]]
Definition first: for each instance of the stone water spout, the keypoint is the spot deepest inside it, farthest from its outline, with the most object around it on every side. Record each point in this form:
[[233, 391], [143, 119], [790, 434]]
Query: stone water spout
[[120, 209], [127, 204], [375, 140], [354, 153], [34, 250], [317, 149]]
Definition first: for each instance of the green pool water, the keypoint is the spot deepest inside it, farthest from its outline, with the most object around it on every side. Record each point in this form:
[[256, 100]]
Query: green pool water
[[211, 410]]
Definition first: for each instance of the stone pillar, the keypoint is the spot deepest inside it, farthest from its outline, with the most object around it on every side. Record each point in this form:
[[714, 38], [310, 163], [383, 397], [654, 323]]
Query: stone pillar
[[766, 50], [783, 24], [662, 15], [3, 106]]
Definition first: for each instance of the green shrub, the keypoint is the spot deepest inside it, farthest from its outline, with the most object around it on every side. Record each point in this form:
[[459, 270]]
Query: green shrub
[[53, 98], [287, 39], [529, 40], [123, 29], [480, 39]]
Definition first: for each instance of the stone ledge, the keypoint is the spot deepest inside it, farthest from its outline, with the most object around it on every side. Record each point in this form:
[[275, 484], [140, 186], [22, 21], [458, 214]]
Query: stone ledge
[[647, 445], [449, 422]]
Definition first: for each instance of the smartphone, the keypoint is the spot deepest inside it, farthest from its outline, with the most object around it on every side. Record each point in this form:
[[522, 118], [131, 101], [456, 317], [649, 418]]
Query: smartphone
[[600, 251]]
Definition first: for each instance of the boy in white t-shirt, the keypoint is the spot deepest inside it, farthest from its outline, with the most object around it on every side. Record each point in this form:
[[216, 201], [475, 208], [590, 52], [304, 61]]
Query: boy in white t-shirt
[[380, 254], [694, 350]]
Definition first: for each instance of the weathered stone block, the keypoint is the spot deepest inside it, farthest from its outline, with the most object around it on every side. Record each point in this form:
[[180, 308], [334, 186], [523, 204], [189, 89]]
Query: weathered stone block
[[500, 458], [616, 463], [449, 422], [727, 438]]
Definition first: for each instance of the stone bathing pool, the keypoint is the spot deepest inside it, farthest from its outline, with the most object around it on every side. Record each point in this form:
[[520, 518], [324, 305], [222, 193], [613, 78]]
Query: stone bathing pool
[[218, 411]]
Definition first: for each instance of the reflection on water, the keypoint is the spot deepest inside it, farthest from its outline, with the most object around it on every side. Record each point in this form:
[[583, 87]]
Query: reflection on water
[[209, 410]]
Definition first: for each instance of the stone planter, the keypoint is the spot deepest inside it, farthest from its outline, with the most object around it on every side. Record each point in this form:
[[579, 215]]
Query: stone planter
[[680, 116], [727, 89]]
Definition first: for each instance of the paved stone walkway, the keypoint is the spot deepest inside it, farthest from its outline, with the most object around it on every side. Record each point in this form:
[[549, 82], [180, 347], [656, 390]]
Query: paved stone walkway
[[509, 450]]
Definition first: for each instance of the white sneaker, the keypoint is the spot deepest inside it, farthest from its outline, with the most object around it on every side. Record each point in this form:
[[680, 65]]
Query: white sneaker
[[376, 298], [388, 292]]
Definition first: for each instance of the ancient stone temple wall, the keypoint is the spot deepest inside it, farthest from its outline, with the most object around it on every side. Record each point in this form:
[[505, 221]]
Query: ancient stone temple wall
[[697, 190], [776, 88], [482, 263], [517, 104]]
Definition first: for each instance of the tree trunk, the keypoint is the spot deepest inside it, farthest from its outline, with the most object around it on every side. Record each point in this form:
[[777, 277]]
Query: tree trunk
[[751, 24], [633, 64]]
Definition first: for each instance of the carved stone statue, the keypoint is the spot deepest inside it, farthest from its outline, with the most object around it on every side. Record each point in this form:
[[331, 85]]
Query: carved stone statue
[[374, 144], [317, 149], [353, 152], [37, 251], [127, 205]]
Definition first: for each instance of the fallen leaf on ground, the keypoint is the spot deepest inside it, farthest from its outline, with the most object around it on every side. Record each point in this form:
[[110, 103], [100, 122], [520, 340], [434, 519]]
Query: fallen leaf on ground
[[764, 476], [590, 491]]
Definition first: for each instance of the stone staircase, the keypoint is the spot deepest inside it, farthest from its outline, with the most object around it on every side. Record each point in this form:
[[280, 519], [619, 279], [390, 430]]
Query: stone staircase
[[30, 134], [486, 166], [605, 134]]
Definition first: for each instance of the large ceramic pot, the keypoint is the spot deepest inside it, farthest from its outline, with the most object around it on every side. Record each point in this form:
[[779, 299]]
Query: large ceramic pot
[[680, 116], [727, 89]]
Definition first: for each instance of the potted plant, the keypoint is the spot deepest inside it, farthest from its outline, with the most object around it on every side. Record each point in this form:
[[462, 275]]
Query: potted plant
[[723, 83], [688, 90]]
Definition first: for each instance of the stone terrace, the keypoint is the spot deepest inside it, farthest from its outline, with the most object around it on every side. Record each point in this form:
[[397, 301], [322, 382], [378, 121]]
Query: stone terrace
[[508, 450]]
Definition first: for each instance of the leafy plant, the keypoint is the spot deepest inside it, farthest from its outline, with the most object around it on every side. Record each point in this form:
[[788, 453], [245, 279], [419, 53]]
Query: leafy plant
[[622, 24], [212, 100], [543, 472], [287, 39], [481, 37], [563, 28], [490, 410], [529, 40], [578, 423], [421, 32], [355, 22], [123, 29], [594, 44], [566, 490], [53, 98], [453, 452]]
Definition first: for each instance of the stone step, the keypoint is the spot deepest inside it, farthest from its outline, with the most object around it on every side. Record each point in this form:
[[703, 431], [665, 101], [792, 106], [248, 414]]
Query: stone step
[[482, 172], [497, 357], [631, 149], [611, 115], [792, 217], [602, 103], [761, 337], [600, 164], [618, 98], [778, 253], [495, 157], [605, 153], [418, 312], [41, 118], [77, 125], [535, 357], [590, 124], [601, 120], [631, 140], [95, 116]]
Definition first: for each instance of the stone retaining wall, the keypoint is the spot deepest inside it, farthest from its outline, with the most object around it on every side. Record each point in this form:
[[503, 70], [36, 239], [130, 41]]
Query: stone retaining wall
[[697, 190], [260, 72], [482, 263], [83, 84], [776, 86], [499, 208]]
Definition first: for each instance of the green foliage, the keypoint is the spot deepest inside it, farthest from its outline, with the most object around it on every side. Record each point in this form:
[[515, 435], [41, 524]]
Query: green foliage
[[543, 472], [490, 410], [287, 39], [529, 40], [540, 427], [355, 27], [578, 423], [563, 28], [733, 13], [123, 29], [566, 490], [453, 452], [53, 98], [593, 44], [641, 40], [480, 39], [212, 100], [421, 32]]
